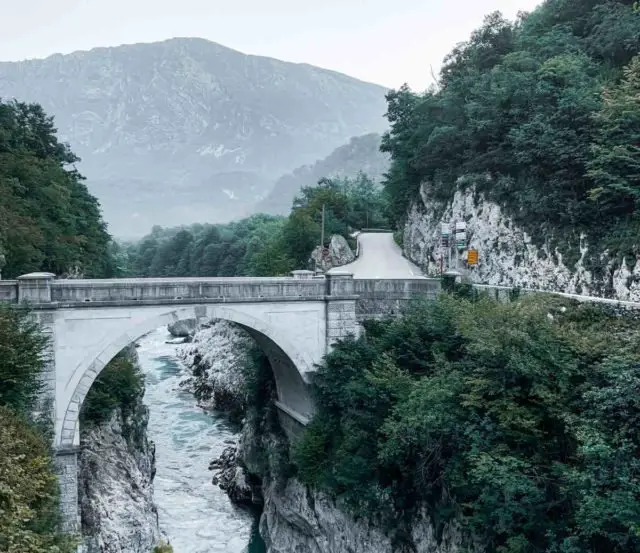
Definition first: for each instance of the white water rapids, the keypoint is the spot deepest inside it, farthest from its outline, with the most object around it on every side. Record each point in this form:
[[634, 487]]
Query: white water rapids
[[196, 516]]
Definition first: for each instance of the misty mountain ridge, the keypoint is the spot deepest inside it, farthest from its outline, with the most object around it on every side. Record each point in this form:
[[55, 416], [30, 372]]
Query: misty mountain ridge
[[362, 153], [188, 130]]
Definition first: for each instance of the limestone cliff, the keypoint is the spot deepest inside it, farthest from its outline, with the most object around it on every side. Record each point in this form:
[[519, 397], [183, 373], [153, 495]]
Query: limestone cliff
[[297, 518], [116, 468], [508, 255]]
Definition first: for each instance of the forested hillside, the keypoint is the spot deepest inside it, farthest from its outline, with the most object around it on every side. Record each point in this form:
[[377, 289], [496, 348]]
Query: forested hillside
[[540, 115], [262, 245], [29, 519], [48, 220]]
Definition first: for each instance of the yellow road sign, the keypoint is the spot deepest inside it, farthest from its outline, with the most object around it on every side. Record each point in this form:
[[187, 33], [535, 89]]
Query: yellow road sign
[[472, 257]]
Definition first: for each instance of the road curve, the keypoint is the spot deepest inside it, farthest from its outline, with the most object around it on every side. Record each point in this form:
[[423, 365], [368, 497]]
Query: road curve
[[380, 257]]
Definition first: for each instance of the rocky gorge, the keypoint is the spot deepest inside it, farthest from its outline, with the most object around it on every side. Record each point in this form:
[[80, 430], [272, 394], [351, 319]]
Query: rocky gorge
[[255, 469], [294, 517]]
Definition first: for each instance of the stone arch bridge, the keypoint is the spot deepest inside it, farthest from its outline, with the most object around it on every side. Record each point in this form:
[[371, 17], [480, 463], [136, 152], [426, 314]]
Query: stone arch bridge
[[294, 319]]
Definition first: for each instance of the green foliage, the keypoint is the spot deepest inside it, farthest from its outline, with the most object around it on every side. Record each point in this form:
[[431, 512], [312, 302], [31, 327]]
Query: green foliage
[[28, 491], [163, 548], [21, 359], [533, 115], [519, 419], [119, 385], [28, 487], [48, 220], [261, 245], [615, 167]]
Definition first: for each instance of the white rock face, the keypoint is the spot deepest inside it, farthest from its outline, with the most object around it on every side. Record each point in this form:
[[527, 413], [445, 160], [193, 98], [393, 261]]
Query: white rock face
[[507, 256], [214, 360], [295, 519], [116, 490], [182, 329]]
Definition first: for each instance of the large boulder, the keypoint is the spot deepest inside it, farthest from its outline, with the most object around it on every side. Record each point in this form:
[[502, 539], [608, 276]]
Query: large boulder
[[182, 329], [337, 254]]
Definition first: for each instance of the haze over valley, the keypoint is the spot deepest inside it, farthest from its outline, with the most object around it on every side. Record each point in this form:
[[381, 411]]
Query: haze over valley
[[187, 130]]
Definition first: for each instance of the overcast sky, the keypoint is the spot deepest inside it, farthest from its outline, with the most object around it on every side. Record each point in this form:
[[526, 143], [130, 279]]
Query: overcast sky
[[383, 41]]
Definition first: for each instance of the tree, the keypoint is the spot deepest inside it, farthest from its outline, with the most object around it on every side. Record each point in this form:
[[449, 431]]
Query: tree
[[21, 359], [48, 219], [615, 167]]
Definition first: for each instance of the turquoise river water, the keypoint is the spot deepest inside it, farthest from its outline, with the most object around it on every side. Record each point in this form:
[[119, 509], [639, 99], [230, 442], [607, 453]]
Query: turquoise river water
[[196, 516]]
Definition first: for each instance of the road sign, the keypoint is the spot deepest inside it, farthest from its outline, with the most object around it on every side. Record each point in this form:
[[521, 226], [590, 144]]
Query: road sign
[[472, 257]]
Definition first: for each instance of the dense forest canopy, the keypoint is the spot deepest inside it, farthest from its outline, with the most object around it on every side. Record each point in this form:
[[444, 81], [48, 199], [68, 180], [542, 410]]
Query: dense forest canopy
[[540, 115], [48, 219], [517, 420]]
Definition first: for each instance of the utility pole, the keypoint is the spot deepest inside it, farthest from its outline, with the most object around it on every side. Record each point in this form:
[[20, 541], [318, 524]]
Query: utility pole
[[452, 232], [322, 231]]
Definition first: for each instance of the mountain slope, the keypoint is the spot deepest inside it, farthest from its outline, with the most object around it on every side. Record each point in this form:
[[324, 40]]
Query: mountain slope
[[362, 153], [164, 128]]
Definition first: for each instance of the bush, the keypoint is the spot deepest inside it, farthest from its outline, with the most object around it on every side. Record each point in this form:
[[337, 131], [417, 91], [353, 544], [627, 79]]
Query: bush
[[119, 385], [28, 491]]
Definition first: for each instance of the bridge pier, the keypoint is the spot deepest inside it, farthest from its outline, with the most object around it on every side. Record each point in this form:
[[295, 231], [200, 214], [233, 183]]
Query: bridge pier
[[66, 465], [341, 308]]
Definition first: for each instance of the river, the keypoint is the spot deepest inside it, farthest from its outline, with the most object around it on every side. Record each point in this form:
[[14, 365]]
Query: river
[[196, 516]]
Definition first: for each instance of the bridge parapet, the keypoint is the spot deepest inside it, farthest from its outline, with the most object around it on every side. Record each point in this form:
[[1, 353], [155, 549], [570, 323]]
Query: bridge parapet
[[386, 297], [397, 288], [9, 291], [41, 288]]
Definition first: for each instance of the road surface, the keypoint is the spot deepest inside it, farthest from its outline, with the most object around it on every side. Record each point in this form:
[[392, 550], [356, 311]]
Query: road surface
[[380, 257]]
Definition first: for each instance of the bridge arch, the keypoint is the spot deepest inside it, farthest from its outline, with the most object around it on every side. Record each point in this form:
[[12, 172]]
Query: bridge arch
[[289, 363]]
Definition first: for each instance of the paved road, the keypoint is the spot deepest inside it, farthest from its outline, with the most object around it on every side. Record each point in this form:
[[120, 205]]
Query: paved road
[[380, 257]]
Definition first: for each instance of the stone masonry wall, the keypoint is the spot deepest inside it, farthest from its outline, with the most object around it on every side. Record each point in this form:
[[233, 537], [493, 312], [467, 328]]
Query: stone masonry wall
[[341, 320], [66, 464]]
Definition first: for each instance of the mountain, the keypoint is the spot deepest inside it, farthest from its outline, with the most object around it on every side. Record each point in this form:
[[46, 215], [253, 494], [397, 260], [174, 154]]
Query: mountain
[[186, 129], [362, 153]]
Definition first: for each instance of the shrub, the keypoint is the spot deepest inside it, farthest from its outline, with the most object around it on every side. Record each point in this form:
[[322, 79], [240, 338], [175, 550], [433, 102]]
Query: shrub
[[163, 548], [21, 359], [28, 491], [119, 385]]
